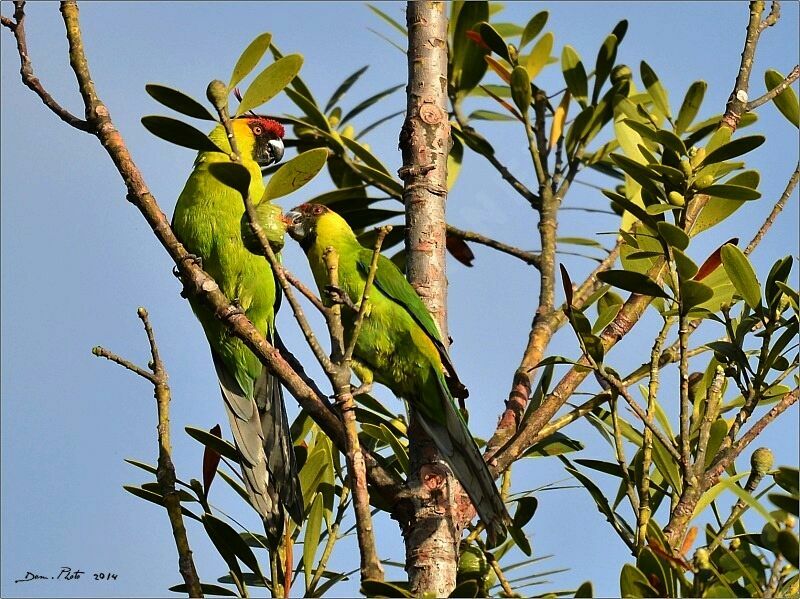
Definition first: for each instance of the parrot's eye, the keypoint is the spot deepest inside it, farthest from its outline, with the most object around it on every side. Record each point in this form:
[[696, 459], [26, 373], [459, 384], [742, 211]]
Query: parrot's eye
[[317, 210], [257, 130]]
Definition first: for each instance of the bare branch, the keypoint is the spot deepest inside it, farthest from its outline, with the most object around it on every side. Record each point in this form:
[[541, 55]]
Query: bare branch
[[165, 473], [531, 258], [362, 309], [17, 27], [771, 94], [776, 210]]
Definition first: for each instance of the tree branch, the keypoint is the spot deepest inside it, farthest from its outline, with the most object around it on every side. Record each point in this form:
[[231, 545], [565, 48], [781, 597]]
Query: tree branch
[[165, 473], [771, 94], [531, 258], [17, 27], [196, 280], [776, 210]]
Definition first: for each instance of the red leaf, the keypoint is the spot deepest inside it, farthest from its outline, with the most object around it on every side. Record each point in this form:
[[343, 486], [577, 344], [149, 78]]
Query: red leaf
[[713, 261], [476, 38], [210, 461], [459, 249]]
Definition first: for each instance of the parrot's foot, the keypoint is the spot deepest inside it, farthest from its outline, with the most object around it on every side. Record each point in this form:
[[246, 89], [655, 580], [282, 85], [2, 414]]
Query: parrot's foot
[[361, 389], [338, 296]]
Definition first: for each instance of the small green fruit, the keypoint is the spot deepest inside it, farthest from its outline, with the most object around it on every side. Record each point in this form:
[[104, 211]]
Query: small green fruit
[[762, 460], [676, 199], [704, 181]]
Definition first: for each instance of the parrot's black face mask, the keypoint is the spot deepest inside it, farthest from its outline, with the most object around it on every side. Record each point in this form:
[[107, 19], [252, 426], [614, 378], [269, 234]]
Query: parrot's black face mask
[[268, 147], [300, 223]]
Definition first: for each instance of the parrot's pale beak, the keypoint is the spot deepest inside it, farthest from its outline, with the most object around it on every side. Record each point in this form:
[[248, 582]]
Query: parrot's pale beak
[[294, 225], [270, 152]]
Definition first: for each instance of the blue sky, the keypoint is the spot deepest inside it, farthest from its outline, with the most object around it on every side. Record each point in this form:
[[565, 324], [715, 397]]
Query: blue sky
[[77, 260]]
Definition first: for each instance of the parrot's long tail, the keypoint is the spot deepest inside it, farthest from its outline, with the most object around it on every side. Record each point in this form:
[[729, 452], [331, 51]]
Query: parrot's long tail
[[458, 448], [261, 434]]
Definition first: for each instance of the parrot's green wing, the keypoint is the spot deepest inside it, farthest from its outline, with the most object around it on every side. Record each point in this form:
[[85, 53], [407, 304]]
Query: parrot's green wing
[[391, 281]]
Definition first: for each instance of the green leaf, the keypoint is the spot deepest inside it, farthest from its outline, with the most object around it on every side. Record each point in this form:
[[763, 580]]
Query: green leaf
[[364, 155], [600, 500], [574, 74], [397, 447], [685, 266], [656, 90], [585, 590], [741, 274], [379, 588], [788, 479], [314, 115], [732, 192], [521, 89], [208, 589], [539, 55], [493, 39], [666, 465], [468, 588], [604, 63], [490, 115], [370, 174], [225, 534], [219, 445], [718, 209], [633, 583], [713, 492], [179, 133], [691, 106], [638, 172], [786, 101], [734, 148], [534, 27], [231, 174], [785, 502], [555, 444], [344, 87], [388, 19], [250, 58], [672, 235], [789, 547], [270, 82], [693, 294], [520, 538], [526, 508], [468, 66], [178, 101], [748, 499], [632, 281], [295, 174], [156, 498], [311, 538], [142, 465], [362, 106]]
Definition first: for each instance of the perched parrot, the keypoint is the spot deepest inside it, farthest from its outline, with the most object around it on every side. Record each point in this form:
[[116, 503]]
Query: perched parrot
[[401, 347], [208, 220]]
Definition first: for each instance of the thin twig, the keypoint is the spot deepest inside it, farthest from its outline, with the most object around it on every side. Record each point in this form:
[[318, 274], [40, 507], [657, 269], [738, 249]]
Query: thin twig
[[771, 94], [17, 27], [776, 210], [371, 568], [165, 473], [644, 512], [531, 258], [363, 306]]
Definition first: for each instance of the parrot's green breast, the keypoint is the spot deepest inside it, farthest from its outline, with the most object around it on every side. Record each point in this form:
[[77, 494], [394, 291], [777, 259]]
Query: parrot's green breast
[[207, 220]]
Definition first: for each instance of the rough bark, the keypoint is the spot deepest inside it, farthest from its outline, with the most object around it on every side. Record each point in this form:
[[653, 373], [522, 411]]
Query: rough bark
[[428, 522]]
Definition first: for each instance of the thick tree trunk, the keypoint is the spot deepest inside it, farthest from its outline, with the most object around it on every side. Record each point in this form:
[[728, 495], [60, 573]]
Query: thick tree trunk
[[429, 520]]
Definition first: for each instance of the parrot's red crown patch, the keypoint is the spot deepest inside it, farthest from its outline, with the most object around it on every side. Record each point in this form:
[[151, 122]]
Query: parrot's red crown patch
[[270, 127]]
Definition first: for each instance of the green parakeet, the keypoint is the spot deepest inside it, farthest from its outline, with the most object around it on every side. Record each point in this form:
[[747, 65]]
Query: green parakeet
[[400, 346], [208, 221]]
